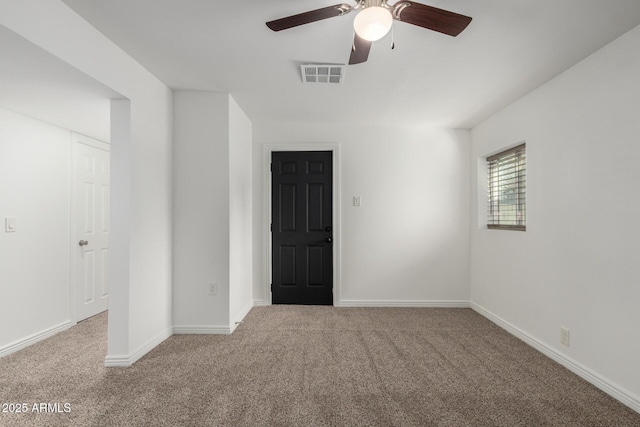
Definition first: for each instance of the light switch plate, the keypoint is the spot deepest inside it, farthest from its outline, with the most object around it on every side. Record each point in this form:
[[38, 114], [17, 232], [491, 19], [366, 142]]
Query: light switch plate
[[357, 201], [10, 225]]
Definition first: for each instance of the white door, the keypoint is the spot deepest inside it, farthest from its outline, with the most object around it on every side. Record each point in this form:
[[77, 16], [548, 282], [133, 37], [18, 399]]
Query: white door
[[92, 225]]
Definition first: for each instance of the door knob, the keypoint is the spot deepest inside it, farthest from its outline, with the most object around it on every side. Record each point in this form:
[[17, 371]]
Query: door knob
[[328, 240], [83, 242]]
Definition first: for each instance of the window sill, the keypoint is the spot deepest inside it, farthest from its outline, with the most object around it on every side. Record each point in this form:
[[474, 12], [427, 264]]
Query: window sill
[[507, 227]]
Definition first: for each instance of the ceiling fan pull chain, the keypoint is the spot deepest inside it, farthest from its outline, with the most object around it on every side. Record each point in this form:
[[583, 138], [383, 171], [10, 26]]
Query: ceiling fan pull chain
[[393, 43]]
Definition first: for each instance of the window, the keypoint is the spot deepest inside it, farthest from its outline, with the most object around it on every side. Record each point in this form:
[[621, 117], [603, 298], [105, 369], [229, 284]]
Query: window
[[507, 189]]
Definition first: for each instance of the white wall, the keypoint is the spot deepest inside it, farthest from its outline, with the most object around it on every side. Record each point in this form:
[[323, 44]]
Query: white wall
[[201, 209], [408, 242], [141, 200], [35, 189], [576, 266], [212, 212], [240, 214]]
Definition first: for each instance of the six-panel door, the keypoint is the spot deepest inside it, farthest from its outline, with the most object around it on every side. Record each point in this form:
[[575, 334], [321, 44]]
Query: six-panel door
[[92, 204], [302, 237]]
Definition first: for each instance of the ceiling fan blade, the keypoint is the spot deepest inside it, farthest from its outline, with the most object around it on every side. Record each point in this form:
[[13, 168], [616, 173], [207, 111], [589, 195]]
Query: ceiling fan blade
[[430, 17], [359, 50], [308, 17]]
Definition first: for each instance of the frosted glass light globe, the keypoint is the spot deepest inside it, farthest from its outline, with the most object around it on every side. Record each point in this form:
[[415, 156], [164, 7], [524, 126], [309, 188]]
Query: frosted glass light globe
[[373, 23]]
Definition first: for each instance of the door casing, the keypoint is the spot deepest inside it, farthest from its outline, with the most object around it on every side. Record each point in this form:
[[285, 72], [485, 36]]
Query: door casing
[[337, 193]]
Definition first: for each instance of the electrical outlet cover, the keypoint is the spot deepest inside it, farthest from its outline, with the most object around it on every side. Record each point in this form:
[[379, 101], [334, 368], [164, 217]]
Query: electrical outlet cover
[[564, 336], [10, 225]]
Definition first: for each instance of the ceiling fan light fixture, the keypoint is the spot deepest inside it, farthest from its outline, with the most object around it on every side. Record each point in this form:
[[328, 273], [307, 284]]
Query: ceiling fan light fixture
[[373, 23]]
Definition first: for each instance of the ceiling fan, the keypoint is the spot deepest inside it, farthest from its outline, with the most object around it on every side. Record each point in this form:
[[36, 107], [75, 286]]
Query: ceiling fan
[[374, 21]]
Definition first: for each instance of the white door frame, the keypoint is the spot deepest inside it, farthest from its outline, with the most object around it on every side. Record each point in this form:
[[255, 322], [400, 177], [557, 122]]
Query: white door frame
[[336, 197], [76, 139]]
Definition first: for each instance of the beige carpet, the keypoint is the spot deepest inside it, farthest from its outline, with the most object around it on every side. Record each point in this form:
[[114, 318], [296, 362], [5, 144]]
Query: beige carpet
[[309, 366]]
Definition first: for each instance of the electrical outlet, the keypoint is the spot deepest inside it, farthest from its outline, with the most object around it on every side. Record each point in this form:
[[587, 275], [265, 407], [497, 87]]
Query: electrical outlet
[[213, 288], [10, 225], [564, 336]]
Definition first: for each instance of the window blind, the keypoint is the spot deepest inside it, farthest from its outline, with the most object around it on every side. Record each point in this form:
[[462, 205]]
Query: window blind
[[507, 188]]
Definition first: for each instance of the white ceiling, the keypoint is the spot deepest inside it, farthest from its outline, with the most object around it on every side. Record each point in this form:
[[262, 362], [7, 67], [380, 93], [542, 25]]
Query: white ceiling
[[37, 84], [429, 79]]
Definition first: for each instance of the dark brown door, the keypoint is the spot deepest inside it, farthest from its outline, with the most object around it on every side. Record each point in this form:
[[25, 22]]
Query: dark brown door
[[302, 250]]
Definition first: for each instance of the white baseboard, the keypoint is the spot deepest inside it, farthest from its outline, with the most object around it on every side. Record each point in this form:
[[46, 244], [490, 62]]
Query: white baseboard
[[241, 315], [215, 329], [259, 303], [202, 330], [403, 303], [128, 360], [124, 361], [117, 362], [32, 339], [612, 389]]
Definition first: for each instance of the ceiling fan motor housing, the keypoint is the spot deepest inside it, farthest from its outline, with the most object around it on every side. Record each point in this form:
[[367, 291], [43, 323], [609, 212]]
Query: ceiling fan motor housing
[[363, 4]]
